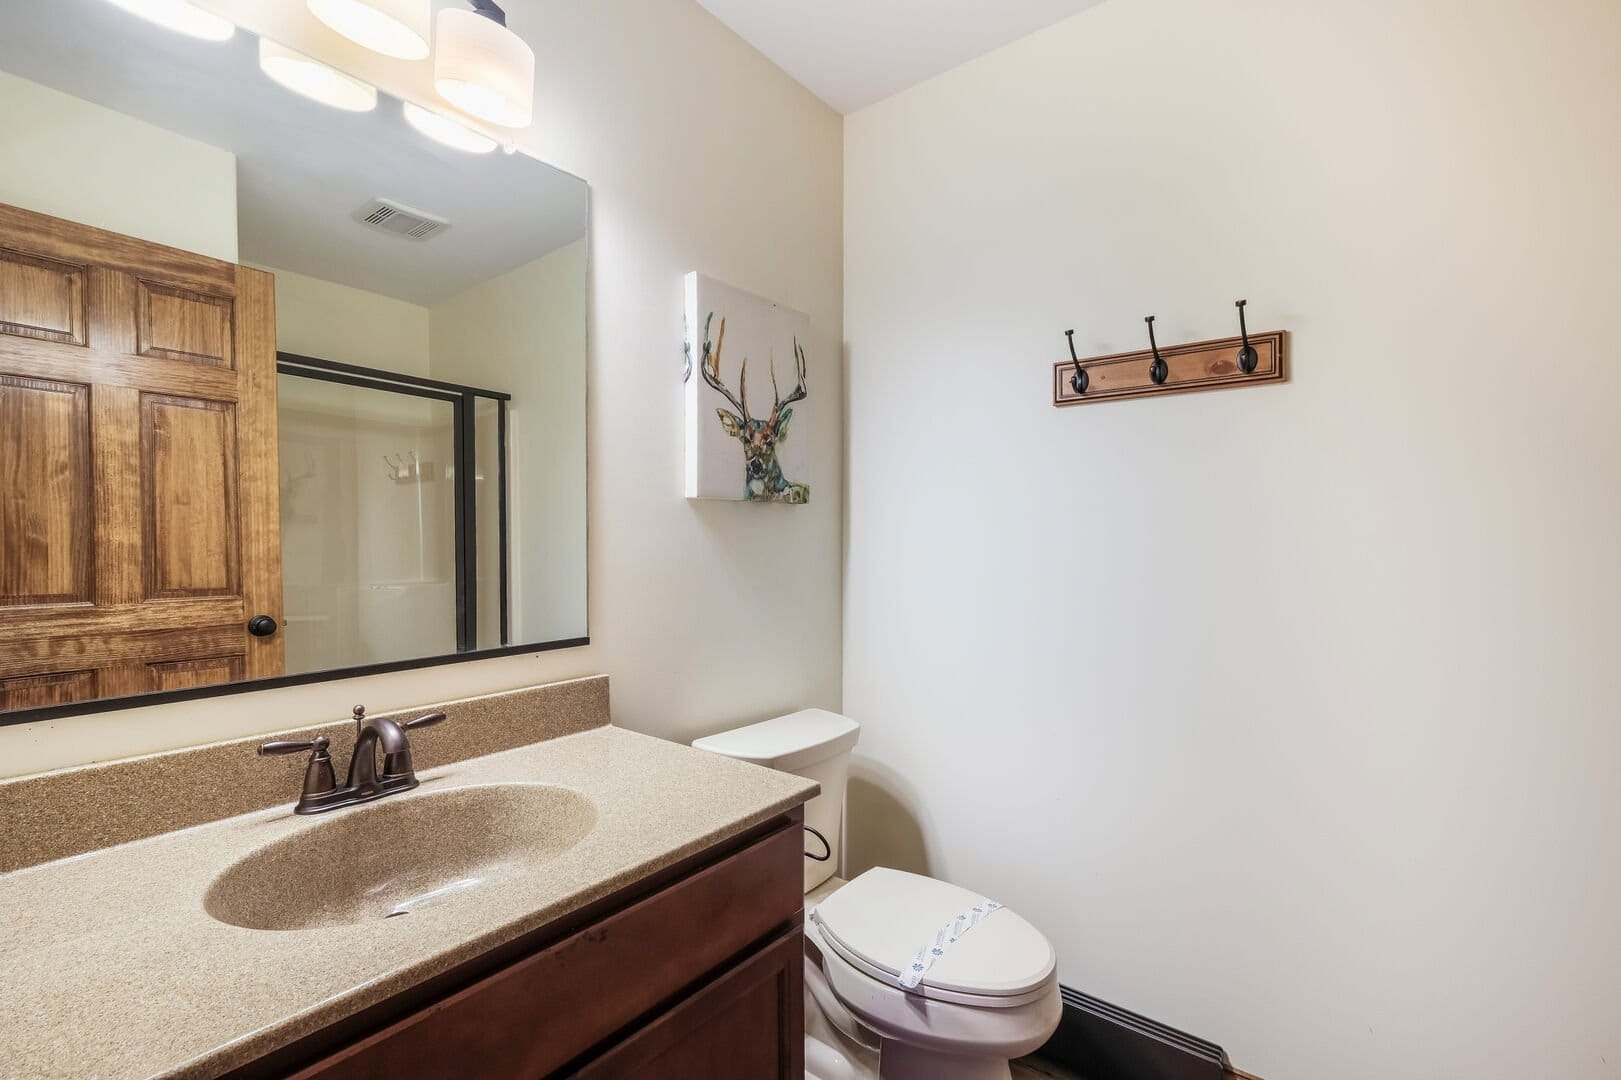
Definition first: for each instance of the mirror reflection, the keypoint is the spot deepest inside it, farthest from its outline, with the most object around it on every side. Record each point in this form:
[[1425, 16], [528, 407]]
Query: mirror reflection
[[292, 374]]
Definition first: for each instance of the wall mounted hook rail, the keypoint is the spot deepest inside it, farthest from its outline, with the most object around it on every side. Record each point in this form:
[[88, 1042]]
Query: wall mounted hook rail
[[1080, 380], [1248, 358], [1159, 370]]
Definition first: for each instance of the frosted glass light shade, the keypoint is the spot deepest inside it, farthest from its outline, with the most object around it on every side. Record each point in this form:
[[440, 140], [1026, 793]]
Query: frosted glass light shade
[[181, 16], [397, 28], [484, 69], [315, 80], [443, 129]]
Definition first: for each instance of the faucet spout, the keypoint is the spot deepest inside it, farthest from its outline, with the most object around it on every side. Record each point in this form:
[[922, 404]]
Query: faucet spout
[[370, 732]]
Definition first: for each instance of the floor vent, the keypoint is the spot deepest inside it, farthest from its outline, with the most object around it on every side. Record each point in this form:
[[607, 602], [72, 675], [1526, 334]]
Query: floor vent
[[399, 219]]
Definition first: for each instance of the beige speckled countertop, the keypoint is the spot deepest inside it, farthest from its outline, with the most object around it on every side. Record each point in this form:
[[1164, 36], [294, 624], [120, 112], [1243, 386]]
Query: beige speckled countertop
[[111, 967]]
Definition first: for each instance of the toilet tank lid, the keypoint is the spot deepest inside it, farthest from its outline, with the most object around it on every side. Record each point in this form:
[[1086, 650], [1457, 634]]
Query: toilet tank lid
[[787, 742]]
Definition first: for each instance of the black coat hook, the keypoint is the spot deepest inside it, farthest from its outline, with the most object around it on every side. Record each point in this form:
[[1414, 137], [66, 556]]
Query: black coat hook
[[1248, 358], [1159, 370], [1078, 381]]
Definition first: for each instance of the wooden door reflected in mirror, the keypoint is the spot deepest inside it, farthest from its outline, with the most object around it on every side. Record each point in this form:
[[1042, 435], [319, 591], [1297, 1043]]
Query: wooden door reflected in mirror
[[139, 527]]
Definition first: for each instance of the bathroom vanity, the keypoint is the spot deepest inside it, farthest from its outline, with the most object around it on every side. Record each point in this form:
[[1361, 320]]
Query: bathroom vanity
[[557, 897], [702, 976]]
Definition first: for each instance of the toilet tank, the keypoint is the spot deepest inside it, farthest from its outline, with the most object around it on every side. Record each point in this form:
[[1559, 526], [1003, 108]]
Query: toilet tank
[[812, 743]]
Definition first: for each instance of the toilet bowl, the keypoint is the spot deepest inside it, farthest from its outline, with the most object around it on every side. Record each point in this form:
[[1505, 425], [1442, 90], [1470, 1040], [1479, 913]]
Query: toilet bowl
[[987, 990]]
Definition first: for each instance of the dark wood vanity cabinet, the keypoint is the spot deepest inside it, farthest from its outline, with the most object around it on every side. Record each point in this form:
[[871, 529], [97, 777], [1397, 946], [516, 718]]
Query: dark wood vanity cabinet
[[746, 1024], [697, 973]]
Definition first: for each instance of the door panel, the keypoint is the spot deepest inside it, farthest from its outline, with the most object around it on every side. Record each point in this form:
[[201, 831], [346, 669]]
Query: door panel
[[38, 691], [138, 460], [188, 497], [46, 525], [41, 298], [185, 674], [179, 324]]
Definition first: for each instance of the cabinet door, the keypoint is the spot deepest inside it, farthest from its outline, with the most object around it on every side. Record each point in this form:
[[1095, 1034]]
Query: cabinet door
[[749, 1024]]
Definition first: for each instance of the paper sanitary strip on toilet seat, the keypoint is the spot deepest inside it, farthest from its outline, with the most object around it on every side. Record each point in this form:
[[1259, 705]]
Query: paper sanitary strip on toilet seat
[[948, 936]]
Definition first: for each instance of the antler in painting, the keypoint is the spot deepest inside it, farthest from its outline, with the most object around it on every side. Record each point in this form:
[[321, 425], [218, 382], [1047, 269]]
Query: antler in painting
[[763, 478], [711, 370]]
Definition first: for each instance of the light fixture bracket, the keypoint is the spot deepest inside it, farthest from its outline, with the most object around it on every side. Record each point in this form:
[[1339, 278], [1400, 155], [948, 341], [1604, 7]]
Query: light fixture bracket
[[490, 10]]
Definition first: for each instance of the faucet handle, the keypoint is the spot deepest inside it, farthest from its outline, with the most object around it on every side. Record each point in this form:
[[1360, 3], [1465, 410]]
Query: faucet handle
[[319, 779], [427, 720], [318, 744], [424, 721], [398, 764]]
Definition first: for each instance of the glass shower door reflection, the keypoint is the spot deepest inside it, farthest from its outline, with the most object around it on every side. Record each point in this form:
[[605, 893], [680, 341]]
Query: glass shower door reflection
[[369, 523]]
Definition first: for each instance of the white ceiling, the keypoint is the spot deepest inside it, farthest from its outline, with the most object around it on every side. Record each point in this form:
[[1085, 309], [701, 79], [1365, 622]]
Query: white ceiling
[[303, 169], [851, 53]]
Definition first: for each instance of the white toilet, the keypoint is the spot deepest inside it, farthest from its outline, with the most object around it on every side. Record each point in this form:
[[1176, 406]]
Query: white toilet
[[986, 997]]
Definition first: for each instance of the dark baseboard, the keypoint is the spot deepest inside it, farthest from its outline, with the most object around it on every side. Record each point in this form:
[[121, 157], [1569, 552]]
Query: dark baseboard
[[1100, 1041]]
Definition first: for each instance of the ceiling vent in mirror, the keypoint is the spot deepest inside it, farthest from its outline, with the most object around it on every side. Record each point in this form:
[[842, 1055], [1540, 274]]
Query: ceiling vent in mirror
[[399, 219]]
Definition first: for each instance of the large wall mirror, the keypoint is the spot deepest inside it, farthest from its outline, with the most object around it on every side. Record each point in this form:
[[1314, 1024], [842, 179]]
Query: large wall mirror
[[288, 390]]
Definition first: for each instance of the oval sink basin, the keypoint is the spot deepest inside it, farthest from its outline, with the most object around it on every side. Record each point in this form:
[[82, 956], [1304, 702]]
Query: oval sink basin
[[398, 855]]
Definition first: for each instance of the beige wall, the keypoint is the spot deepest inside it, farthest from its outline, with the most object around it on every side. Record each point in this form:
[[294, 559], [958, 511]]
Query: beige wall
[[352, 326], [1289, 713], [56, 151], [701, 155]]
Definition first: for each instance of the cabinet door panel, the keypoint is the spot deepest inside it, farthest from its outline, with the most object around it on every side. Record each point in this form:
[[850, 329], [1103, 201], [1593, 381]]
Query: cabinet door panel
[[747, 1025]]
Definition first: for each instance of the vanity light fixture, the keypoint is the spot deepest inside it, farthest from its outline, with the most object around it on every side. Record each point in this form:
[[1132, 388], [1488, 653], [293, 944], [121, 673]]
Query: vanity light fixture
[[397, 28], [483, 68], [315, 80], [181, 16], [452, 133]]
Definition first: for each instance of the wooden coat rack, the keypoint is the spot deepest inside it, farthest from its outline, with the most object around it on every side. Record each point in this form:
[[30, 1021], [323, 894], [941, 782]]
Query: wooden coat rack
[[1246, 360]]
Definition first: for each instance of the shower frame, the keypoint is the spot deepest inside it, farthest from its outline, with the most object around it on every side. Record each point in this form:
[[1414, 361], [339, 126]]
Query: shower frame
[[463, 400]]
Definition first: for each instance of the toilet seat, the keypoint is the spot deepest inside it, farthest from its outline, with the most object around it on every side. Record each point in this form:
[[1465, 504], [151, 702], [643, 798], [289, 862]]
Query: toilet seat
[[905, 1018], [933, 993], [877, 923]]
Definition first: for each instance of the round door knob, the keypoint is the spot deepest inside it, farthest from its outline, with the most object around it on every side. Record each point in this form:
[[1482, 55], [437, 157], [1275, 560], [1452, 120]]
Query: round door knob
[[261, 626]]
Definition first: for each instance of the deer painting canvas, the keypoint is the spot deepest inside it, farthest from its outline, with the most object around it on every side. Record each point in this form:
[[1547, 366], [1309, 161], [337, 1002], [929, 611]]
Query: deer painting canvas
[[743, 443]]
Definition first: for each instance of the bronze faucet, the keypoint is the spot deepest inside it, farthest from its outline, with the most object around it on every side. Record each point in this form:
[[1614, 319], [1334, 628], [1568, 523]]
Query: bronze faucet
[[321, 792]]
